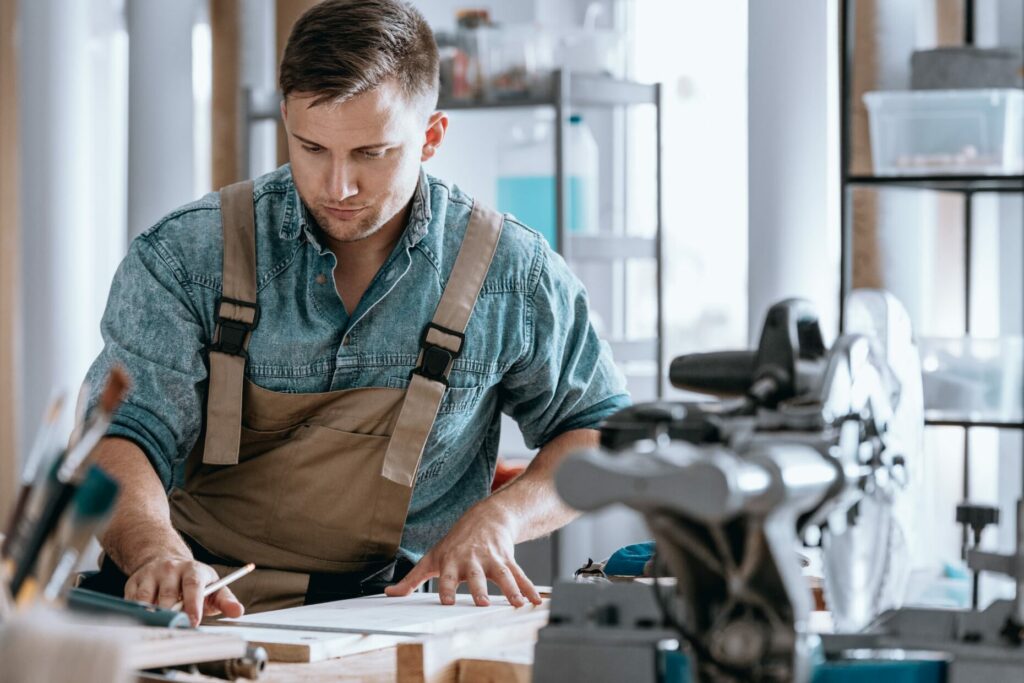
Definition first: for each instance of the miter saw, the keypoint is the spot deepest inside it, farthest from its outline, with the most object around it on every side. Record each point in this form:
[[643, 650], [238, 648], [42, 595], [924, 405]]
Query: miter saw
[[806, 443]]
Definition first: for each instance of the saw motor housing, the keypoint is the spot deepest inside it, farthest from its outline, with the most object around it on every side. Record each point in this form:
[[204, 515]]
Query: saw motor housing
[[799, 438]]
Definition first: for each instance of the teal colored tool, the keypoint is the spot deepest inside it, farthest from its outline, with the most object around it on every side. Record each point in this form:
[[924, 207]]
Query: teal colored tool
[[84, 600]]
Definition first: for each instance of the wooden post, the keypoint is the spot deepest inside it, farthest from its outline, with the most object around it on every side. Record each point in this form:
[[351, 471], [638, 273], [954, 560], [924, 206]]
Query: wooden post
[[867, 268], [225, 124], [9, 250], [286, 14], [867, 258]]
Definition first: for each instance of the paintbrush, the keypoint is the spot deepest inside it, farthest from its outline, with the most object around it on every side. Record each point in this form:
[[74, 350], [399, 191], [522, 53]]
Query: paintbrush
[[72, 468], [6, 599], [80, 406], [43, 451], [91, 507], [62, 482]]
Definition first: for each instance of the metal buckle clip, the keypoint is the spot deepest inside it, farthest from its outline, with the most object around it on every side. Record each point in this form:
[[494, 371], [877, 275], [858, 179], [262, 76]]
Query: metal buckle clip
[[435, 359], [231, 339]]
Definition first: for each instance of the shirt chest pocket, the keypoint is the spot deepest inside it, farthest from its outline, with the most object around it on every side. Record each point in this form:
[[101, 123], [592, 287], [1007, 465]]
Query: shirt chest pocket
[[456, 400]]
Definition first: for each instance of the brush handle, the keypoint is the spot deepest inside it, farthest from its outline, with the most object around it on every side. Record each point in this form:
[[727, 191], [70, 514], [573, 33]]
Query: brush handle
[[12, 522], [55, 505], [39, 496]]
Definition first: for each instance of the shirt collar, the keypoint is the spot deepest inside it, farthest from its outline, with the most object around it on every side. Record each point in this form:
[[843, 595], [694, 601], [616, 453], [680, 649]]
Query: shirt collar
[[298, 220]]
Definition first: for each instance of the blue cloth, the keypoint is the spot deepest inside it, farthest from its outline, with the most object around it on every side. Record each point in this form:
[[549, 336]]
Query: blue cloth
[[530, 350], [629, 560]]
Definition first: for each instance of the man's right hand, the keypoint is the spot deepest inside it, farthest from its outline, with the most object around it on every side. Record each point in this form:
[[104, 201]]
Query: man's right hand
[[164, 581]]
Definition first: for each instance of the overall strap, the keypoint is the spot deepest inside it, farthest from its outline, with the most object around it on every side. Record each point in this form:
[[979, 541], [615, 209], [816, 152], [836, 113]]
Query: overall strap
[[441, 344], [237, 315]]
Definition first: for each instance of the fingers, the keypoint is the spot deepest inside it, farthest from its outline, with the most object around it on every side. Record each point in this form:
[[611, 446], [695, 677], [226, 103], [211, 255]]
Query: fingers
[[509, 577], [450, 580], [192, 594], [165, 582], [502, 575], [525, 585], [169, 582], [141, 587], [423, 571], [477, 581], [225, 602]]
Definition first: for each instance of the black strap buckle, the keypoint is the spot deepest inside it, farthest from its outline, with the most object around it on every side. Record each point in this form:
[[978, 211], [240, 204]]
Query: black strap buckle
[[231, 333], [435, 360]]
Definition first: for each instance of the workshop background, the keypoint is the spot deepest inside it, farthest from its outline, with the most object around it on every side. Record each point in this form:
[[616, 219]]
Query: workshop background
[[114, 112]]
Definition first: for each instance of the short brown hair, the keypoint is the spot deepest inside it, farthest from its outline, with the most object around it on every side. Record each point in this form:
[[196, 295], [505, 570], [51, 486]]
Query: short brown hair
[[341, 48]]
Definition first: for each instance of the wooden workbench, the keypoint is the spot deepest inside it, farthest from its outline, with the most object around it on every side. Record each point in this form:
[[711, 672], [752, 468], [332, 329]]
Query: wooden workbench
[[511, 665], [486, 646]]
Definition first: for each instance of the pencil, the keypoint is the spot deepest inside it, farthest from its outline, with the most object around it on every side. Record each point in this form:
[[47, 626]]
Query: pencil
[[220, 583]]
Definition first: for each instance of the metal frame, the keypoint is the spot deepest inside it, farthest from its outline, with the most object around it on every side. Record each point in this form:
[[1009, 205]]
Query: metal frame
[[968, 185]]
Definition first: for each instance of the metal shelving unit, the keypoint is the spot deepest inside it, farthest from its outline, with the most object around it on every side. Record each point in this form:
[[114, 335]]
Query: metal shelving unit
[[965, 185], [567, 90], [943, 183]]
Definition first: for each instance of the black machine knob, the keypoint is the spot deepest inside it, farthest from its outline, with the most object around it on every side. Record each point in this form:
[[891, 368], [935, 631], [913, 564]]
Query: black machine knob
[[791, 338], [977, 517], [724, 373]]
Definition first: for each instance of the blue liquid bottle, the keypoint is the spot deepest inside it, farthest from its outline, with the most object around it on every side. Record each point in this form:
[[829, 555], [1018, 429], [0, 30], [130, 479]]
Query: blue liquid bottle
[[526, 181]]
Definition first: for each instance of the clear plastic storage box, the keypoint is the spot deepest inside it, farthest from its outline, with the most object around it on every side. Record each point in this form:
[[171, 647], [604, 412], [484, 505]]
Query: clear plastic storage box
[[925, 132], [972, 378]]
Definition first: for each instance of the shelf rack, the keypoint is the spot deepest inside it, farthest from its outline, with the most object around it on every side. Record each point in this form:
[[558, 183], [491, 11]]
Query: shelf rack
[[966, 185]]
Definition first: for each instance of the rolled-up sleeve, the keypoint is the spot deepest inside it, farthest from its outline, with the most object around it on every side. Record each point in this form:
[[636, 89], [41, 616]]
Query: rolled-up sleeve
[[566, 378], [152, 329]]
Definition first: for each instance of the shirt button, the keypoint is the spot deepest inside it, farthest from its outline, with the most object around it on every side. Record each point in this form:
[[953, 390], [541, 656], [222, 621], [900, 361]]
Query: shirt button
[[321, 279]]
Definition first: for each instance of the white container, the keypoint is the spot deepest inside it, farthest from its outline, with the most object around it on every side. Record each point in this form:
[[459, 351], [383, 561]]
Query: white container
[[972, 378], [583, 171], [526, 177], [593, 51], [968, 132]]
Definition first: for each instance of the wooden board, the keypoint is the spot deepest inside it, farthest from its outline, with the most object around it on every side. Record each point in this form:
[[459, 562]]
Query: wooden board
[[370, 667], [437, 659], [308, 646], [417, 614], [494, 671]]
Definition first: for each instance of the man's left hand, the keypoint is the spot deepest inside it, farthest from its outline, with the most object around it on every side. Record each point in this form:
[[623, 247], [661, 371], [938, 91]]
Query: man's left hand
[[479, 547]]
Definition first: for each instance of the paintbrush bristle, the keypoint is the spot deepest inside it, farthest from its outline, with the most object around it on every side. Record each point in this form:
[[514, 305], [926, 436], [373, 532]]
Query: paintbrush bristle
[[114, 391]]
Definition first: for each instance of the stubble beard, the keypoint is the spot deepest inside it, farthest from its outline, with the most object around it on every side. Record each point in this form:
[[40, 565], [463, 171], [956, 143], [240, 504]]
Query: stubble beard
[[349, 231]]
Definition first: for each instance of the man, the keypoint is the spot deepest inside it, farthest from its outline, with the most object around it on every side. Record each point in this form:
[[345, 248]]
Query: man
[[320, 357]]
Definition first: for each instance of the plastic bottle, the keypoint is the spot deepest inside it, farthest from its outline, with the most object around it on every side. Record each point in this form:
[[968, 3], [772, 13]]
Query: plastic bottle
[[526, 181], [583, 171]]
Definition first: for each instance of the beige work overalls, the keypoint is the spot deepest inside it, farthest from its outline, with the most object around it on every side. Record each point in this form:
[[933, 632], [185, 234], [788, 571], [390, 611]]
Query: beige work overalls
[[305, 484]]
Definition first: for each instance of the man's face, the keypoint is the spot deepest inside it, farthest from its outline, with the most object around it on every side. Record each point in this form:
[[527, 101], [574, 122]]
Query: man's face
[[356, 163]]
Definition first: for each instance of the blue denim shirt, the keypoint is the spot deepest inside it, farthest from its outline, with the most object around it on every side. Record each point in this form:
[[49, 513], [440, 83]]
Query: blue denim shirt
[[530, 350]]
